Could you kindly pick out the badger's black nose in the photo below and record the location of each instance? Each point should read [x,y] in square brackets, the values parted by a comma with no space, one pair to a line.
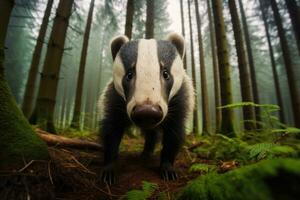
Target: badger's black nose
[146,115]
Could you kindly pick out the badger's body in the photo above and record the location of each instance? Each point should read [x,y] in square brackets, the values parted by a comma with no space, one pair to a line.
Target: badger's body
[150,89]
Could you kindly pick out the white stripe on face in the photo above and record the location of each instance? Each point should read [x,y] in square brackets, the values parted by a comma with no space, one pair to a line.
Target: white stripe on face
[177,73]
[118,74]
[148,81]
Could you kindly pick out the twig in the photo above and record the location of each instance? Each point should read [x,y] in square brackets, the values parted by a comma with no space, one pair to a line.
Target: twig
[49,172]
[26,166]
[87,170]
[109,192]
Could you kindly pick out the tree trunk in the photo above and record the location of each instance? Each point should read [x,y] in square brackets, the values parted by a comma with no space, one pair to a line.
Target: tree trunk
[246,89]
[204,93]
[294,11]
[45,105]
[273,64]
[129,18]
[195,117]
[18,142]
[227,125]
[150,19]
[288,64]
[250,62]
[80,81]
[215,68]
[34,67]
[183,30]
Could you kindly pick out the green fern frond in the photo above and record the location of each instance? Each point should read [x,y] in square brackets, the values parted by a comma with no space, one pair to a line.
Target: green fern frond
[146,192]
[260,150]
[288,130]
[200,167]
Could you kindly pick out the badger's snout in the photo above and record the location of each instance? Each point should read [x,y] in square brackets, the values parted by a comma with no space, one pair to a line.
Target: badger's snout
[146,115]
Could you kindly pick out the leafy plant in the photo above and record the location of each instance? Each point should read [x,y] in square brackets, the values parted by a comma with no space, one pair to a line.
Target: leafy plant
[146,192]
[200,167]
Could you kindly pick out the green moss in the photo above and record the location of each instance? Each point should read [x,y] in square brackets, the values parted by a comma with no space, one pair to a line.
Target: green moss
[269,179]
[18,142]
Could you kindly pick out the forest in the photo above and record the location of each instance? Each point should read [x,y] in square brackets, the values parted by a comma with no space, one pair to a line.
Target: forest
[242,140]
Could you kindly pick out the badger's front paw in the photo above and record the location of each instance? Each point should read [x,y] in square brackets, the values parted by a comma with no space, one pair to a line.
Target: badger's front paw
[168,172]
[109,174]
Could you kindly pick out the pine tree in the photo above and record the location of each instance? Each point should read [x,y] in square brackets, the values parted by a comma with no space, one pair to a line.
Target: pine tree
[44,110]
[294,90]
[250,62]
[246,89]
[195,115]
[204,93]
[182,29]
[81,73]
[215,68]
[273,65]
[150,19]
[129,18]
[227,125]
[294,12]
[34,67]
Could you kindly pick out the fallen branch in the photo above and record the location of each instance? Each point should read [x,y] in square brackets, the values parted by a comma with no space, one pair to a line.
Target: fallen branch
[60,141]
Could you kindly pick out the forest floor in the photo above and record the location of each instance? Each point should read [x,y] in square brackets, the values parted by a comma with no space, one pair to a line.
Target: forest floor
[81,173]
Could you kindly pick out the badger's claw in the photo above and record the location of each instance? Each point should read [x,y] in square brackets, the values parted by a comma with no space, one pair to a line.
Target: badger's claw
[168,173]
[108,175]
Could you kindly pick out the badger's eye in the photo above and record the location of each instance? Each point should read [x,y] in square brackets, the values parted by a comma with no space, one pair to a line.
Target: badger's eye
[129,76]
[166,74]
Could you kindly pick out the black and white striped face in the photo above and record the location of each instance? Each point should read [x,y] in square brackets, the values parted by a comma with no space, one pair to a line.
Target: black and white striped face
[147,74]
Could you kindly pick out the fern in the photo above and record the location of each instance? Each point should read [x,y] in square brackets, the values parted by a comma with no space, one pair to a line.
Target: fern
[200,167]
[288,130]
[260,150]
[146,192]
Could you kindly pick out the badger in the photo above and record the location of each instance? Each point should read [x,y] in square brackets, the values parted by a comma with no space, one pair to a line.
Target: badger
[151,90]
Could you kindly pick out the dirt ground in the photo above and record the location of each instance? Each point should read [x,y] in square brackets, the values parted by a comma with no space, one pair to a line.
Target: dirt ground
[75,174]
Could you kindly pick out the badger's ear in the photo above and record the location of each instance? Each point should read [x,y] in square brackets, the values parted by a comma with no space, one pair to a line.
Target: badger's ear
[116,44]
[178,41]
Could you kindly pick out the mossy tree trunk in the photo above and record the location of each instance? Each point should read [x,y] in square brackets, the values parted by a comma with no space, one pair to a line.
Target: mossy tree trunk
[250,62]
[44,110]
[195,115]
[129,18]
[273,64]
[245,79]
[294,90]
[294,12]
[150,19]
[227,124]
[18,142]
[182,30]
[34,67]
[205,107]
[215,68]
[81,73]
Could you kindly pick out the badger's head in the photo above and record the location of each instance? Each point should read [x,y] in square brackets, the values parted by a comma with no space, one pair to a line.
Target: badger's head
[147,74]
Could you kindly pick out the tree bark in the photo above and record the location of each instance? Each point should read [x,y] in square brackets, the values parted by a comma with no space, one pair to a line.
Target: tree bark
[6,7]
[294,12]
[44,110]
[288,64]
[246,89]
[205,106]
[18,142]
[34,67]
[250,62]
[273,65]
[227,125]
[183,31]
[215,68]
[81,73]
[195,115]
[129,18]
[150,19]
